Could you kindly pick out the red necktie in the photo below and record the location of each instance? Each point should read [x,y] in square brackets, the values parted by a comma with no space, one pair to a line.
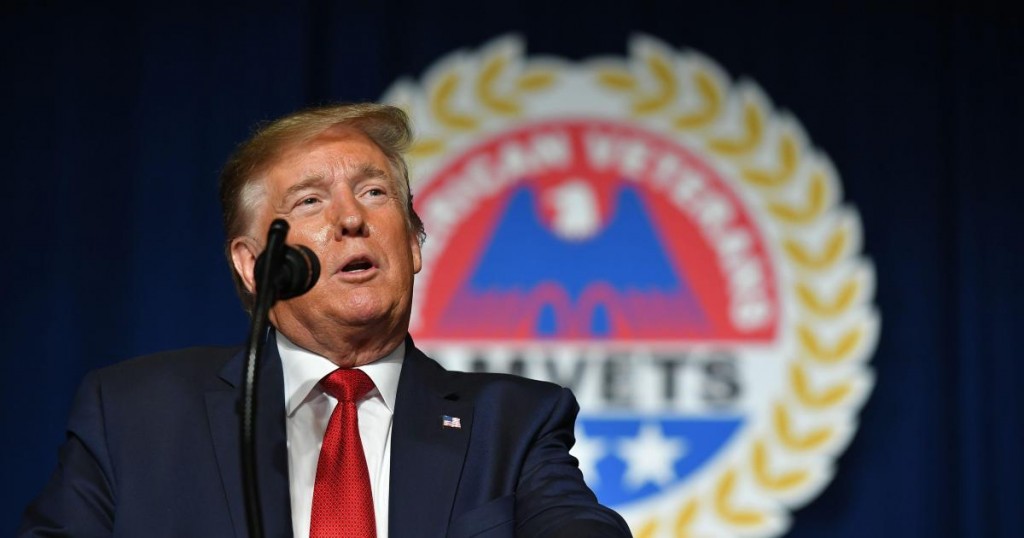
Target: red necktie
[342,502]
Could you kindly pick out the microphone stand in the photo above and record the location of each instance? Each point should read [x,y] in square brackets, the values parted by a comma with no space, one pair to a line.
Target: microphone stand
[265,296]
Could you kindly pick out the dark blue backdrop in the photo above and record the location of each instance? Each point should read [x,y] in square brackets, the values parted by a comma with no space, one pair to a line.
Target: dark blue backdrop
[116,119]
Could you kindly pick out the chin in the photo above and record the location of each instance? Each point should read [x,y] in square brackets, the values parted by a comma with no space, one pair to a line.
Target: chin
[357,312]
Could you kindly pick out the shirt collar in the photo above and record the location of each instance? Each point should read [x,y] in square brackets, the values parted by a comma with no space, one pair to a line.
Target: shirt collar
[303,369]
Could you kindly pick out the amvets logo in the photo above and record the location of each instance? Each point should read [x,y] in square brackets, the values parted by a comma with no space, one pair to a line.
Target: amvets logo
[666,244]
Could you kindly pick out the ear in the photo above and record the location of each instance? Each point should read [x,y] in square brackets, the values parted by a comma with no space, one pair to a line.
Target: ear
[414,248]
[244,251]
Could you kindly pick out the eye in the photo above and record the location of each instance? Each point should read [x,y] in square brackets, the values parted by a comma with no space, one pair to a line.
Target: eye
[374,192]
[309,200]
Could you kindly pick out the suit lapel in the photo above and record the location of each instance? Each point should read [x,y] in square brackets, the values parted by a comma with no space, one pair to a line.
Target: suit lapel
[426,456]
[222,407]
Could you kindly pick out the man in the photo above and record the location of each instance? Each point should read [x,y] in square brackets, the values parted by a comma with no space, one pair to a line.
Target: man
[152,447]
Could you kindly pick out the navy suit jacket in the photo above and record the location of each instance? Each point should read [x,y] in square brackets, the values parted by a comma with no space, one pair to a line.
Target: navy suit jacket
[153,450]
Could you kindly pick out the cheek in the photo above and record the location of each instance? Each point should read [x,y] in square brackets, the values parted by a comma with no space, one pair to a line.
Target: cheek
[317,238]
[321,235]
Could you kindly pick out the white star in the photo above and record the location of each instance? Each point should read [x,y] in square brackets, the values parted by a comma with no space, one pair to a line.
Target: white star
[650,457]
[589,450]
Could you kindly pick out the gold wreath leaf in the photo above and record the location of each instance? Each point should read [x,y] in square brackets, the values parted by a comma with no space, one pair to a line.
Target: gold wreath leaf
[789,156]
[426,147]
[712,104]
[812,208]
[820,261]
[667,87]
[647,529]
[753,132]
[535,80]
[817,399]
[793,441]
[842,348]
[733,516]
[439,99]
[840,302]
[686,517]
[617,79]
[776,482]
[485,88]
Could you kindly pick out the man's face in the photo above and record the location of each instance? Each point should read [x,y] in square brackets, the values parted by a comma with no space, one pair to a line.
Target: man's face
[338,195]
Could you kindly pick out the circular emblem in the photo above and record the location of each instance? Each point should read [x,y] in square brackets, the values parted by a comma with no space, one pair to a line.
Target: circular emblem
[666,244]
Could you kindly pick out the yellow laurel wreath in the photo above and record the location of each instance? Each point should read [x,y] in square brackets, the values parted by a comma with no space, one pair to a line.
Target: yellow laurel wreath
[654,84]
[748,138]
[486,85]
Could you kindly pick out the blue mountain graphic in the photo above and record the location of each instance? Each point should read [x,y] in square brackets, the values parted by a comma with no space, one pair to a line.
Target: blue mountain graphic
[626,256]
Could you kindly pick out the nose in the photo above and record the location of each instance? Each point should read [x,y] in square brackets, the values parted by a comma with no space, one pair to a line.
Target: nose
[349,216]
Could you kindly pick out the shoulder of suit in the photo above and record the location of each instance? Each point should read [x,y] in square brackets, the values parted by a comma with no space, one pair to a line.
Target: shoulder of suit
[168,368]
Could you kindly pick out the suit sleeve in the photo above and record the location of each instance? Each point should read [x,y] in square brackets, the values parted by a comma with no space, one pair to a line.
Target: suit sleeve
[78,500]
[552,499]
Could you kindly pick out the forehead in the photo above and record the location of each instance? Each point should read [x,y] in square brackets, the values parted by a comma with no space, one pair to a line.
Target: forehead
[338,153]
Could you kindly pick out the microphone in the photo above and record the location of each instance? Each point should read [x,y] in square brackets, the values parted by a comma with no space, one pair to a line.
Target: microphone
[294,270]
[282,272]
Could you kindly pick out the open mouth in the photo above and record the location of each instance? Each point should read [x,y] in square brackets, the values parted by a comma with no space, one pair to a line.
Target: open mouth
[357,265]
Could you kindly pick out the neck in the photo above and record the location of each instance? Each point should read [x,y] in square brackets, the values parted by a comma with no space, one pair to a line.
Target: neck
[346,346]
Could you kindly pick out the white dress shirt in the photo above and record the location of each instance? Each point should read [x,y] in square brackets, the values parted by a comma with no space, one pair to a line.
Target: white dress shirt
[308,412]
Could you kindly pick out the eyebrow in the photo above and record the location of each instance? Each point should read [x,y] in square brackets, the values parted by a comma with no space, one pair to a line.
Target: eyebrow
[369,171]
[365,171]
[317,180]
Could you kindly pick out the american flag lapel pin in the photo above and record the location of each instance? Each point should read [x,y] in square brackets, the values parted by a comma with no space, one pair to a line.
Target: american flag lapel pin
[449,421]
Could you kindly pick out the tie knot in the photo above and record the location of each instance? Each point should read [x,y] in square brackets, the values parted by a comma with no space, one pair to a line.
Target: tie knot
[347,384]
